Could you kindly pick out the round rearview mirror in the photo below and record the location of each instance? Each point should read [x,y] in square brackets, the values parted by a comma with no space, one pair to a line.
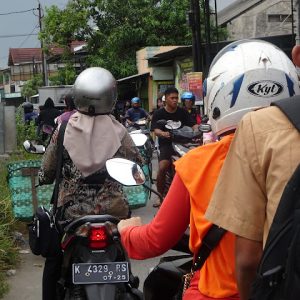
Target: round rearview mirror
[33,147]
[125,171]
[139,139]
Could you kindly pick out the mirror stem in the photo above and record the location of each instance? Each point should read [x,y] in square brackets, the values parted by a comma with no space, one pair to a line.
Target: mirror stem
[153,191]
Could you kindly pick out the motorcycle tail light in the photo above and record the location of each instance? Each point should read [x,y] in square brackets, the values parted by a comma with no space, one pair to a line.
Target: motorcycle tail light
[98,237]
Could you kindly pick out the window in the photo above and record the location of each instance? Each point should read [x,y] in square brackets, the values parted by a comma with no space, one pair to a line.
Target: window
[278,18]
[12,88]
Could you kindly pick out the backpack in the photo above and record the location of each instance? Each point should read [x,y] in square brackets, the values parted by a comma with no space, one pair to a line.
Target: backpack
[278,275]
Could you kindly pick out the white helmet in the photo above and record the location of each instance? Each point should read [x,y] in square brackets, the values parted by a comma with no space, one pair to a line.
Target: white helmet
[245,75]
[95,91]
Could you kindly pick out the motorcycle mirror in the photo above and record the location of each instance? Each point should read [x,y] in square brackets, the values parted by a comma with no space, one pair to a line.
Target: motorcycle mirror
[139,139]
[125,171]
[205,127]
[33,147]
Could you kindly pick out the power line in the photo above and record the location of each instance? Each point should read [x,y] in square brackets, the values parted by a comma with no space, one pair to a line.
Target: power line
[35,27]
[17,12]
[16,35]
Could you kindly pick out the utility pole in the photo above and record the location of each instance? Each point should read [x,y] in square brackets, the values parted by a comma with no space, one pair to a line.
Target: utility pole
[44,63]
[194,23]
[207,35]
[298,23]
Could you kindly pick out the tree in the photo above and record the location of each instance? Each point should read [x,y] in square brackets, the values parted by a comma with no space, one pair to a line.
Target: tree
[31,86]
[115,30]
[65,76]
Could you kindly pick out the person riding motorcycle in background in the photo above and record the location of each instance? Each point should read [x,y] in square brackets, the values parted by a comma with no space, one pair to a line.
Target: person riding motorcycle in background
[135,113]
[29,113]
[173,114]
[235,86]
[91,137]
[69,110]
[188,101]
[46,119]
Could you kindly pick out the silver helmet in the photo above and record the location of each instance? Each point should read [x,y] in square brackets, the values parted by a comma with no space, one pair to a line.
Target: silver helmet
[95,91]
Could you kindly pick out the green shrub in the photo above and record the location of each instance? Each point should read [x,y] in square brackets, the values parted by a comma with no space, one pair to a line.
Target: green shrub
[8,251]
[24,131]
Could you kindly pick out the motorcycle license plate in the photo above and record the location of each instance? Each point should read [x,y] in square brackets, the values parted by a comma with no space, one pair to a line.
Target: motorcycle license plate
[89,273]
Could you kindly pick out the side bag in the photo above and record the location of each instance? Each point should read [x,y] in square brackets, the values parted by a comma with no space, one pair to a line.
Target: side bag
[44,238]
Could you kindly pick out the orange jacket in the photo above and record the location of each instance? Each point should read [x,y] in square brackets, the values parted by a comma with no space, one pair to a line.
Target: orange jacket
[199,170]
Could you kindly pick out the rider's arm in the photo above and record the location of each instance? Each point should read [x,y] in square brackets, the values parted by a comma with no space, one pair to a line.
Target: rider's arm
[146,114]
[47,171]
[127,115]
[248,255]
[166,228]
[161,134]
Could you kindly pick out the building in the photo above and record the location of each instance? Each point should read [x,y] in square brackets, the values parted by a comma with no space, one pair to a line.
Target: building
[23,64]
[144,83]
[258,18]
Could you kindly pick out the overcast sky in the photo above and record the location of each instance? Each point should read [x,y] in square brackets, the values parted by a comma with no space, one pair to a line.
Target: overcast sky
[26,23]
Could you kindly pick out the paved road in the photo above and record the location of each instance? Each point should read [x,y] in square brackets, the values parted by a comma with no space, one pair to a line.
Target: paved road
[26,284]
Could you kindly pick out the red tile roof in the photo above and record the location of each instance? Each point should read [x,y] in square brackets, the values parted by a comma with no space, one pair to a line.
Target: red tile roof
[58,51]
[26,55]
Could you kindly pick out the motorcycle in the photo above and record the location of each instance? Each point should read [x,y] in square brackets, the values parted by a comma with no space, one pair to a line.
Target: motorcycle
[140,134]
[138,196]
[146,150]
[131,174]
[183,140]
[95,265]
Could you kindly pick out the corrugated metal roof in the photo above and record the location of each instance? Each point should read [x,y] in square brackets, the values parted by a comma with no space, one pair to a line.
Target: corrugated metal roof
[133,77]
[236,9]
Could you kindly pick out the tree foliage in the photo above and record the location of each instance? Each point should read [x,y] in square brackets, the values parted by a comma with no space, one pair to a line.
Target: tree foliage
[31,86]
[65,76]
[114,30]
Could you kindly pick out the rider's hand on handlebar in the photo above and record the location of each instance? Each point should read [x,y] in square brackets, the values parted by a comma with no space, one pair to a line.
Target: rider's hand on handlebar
[135,221]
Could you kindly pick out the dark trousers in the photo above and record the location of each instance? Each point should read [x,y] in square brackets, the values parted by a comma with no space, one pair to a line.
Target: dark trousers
[51,275]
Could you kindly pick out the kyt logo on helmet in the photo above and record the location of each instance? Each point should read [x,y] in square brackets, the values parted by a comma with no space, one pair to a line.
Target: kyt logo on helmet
[265,88]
